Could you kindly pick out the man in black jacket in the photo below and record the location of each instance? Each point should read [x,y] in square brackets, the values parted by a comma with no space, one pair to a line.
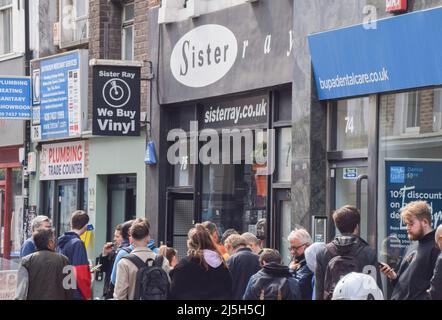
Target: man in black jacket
[349,246]
[412,279]
[243,264]
[435,292]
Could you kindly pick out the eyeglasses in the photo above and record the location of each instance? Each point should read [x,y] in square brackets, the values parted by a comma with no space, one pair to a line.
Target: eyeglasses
[298,247]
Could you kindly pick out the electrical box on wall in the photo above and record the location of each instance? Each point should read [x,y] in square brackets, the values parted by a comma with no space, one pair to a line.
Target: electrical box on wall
[396,6]
[32,162]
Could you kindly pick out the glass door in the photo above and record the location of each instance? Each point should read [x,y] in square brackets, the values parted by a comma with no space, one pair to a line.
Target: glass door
[350,187]
[67,204]
[285,222]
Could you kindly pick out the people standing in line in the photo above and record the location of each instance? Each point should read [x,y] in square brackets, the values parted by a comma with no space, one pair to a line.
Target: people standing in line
[310,257]
[38,222]
[41,274]
[74,249]
[213,230]
[435,291]
[253,242]
[300,240]
[107,259]
[123,250]
[243,264]
[128,267]
[412,278]
[202,274]
[346,253]
[170,254]
[273,281]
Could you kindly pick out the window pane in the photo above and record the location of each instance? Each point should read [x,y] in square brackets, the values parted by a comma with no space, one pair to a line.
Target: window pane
[285,155]
[128,43]
[352,121]
[129,13]
[82,8]
[5,31]
[5,3]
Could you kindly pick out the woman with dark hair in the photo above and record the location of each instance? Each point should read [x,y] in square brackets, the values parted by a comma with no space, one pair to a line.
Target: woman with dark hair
[203,274]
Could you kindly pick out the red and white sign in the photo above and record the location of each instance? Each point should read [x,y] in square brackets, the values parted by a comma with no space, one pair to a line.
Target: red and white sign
[396,5]
[64,161]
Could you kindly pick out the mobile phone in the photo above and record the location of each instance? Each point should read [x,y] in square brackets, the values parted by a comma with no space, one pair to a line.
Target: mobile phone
[98,266]
[381,264]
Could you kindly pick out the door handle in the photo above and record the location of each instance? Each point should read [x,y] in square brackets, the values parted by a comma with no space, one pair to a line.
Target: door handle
[359,190]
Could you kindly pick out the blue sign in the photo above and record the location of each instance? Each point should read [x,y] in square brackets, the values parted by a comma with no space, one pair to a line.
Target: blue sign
[408,181]
[15,98]
[56,96]
[400,53]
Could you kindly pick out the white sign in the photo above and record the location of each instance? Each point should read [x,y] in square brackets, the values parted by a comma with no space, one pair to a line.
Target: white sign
[64,161]
[204,55]
[8,284]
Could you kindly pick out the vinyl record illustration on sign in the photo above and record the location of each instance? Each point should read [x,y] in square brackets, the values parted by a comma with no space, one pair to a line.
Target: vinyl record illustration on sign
[116,101]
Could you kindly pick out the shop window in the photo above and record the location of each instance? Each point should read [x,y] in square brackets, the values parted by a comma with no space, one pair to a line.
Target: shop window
[352,124]
[284,108]
[235,195]
[128,32]
[74,22]
[410,165]
[284,167]
[5,26]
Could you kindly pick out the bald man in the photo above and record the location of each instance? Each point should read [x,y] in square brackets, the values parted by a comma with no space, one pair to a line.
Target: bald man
[435,291]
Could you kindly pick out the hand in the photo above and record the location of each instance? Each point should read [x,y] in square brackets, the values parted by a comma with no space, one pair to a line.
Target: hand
[388,271]
[294,265]
[107,248]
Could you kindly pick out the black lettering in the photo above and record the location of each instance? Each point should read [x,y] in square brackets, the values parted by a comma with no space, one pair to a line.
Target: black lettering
[208,55]
[186,63]
[217,55]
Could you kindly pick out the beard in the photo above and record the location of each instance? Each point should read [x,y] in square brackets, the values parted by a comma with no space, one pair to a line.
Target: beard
[419,234]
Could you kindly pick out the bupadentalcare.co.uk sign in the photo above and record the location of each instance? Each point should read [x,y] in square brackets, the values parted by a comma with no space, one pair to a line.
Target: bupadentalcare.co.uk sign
[64,161]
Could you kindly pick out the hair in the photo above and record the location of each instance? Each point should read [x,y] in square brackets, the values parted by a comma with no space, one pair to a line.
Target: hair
[261,229]
[210,226]
[125,229]
[119,228]
[167,252]
[79,220]
[417,209]
[42,237]
[347,219]
[199,240]
[227,234]
[139,229]
[38,221]
[302,235]
[250,238]
[238,241]
[269,256]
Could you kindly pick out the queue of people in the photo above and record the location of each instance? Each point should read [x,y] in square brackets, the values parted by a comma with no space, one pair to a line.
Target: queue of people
[231,266]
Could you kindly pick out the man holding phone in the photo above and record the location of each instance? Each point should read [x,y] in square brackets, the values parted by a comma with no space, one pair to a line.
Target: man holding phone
[412,279]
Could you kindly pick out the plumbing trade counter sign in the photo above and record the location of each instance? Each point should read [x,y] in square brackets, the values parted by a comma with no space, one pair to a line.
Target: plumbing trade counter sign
[15,98]
[408,181]
[116,100]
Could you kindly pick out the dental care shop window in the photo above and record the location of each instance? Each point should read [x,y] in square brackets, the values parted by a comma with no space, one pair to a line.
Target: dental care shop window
[410,163]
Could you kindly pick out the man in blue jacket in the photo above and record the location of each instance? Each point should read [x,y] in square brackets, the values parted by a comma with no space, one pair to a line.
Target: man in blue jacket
[74,249]
[38,222]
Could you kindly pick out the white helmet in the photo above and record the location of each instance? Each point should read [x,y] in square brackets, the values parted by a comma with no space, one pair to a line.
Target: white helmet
[357,286]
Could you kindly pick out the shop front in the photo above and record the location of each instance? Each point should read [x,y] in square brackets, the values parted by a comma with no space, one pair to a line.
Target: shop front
[383,96]
[225,129]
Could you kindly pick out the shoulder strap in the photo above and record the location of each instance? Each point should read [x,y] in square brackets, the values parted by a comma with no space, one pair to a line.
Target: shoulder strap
[159,260]
[135,260]
[127,249]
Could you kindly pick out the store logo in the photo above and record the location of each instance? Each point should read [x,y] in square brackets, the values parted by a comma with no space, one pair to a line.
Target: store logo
[204,55]
[397,175]
[116,93]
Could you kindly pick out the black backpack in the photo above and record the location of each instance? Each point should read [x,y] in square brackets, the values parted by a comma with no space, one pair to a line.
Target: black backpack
[275,289]
[152,281]
[339,266]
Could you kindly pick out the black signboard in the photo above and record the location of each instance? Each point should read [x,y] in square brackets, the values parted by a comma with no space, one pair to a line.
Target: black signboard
[236,112]
[116,100]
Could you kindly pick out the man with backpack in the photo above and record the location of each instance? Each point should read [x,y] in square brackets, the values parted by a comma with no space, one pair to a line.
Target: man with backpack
[142,275]
[347,253]
[273,281]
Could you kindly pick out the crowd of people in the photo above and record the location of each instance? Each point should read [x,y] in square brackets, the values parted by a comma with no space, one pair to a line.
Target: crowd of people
[231,266]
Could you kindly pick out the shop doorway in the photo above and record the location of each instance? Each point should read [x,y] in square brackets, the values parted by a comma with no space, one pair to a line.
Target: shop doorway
[349,186]
[180,219]
[285,222]
[122,201]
